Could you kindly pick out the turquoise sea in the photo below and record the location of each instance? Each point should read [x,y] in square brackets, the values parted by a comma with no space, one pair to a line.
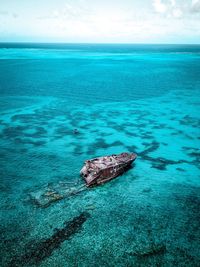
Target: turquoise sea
[136,98]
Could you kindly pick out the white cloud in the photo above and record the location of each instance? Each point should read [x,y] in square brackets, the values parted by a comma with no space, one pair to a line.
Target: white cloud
[173,3]
[168,8]
[177,13]
[195,6]
[106,21]
[159,6]
[114,24]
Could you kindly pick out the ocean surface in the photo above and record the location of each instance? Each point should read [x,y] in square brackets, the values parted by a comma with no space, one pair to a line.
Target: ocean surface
[135,98]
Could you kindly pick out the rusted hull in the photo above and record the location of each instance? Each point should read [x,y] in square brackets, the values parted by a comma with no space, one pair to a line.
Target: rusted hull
[100,170]
[103,180]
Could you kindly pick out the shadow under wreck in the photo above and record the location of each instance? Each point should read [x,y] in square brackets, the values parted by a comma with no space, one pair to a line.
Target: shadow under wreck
[42,250]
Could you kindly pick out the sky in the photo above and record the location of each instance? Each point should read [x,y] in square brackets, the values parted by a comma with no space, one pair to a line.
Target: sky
[100,21]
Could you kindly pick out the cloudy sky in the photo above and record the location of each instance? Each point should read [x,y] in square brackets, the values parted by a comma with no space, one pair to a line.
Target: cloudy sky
[113,21]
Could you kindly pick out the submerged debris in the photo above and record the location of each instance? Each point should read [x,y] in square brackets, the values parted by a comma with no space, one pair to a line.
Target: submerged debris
[99,170]
[48,194]
[38,252]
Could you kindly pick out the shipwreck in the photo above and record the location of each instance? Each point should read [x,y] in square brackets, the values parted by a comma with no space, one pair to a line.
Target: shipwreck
[100,170]
[95,172]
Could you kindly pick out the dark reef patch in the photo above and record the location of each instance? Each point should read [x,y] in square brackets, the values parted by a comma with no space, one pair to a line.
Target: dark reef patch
[102,133]
[151,251]
[164,144]
[23,117]
[115,126]
[18,133]
[159,165]
[117,143]
[63,131]
[180,169]
[190,121]
[187,148]
[39,133]
[159,162]
[131,148]
[189,137]
[195,155]
[147,136]
[101,144]
[132,134]
[78,150]
[146,190]
[152,147]
[12,132]
[162,163]
[160,126]
[43,249]
[145,144]
[26,141]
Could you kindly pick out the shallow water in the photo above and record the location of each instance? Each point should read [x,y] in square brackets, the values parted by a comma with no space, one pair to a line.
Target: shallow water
[142,99]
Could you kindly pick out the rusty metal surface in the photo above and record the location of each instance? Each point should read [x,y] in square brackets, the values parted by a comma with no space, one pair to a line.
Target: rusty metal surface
[102,169]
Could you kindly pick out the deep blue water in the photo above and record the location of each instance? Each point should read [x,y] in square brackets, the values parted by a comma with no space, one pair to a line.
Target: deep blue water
[137,98]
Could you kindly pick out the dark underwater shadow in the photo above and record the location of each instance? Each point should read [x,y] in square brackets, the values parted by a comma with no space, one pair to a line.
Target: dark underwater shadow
[39,251]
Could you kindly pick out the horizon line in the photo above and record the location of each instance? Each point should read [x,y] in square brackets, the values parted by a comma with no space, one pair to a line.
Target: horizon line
[93,43]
